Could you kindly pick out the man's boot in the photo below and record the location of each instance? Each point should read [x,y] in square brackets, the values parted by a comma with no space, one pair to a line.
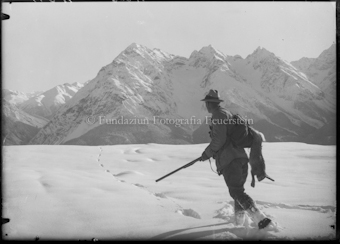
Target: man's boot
[256,214]
[240,214]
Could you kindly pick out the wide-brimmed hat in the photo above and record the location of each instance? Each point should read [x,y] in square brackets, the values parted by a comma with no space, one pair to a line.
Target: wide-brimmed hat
[212,96]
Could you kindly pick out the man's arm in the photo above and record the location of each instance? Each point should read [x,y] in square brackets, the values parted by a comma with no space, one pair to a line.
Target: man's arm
[218,137]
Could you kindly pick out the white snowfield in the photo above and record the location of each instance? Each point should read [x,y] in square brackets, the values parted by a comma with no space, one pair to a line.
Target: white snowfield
[110,193]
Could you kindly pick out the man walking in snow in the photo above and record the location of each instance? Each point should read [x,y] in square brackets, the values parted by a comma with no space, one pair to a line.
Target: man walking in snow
[231,162]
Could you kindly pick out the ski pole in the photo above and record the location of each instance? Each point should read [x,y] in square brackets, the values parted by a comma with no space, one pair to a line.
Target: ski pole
[184,166]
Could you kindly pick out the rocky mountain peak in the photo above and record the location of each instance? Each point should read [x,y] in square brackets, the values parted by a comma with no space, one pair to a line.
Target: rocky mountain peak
[327,56]
[261,53]
[208,57]
[208,50]
[133,46]
[137,54]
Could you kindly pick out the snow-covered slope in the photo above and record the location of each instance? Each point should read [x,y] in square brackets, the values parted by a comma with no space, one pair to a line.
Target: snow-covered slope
[292,101]
[303,63]
[18,126]
[132,86]
[17,97]
[154,86]
[321,71]
[109,193]
[47,103]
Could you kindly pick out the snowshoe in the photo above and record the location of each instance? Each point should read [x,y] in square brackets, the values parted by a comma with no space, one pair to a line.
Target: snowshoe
[240,217]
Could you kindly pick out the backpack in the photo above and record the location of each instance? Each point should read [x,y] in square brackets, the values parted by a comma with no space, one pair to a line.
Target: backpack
[244,136]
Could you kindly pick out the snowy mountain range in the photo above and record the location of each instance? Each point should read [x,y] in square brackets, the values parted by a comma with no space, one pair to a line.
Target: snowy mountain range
[156,97]
[25,113]
[17,97]
[321,71]
[47,103]
[19,127]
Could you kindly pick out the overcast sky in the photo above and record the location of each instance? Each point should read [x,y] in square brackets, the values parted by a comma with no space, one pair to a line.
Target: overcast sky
[47,44]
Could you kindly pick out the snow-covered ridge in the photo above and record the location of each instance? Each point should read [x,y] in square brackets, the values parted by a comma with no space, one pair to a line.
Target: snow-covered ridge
[15,114]
[45,104]
[321,72]
[25,113]
[18,126]
[17,97]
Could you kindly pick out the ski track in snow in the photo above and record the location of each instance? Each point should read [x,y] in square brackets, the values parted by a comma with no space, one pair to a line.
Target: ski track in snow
[185,212]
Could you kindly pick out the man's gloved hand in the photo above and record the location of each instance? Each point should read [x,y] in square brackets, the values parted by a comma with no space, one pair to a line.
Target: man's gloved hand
[204,156]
